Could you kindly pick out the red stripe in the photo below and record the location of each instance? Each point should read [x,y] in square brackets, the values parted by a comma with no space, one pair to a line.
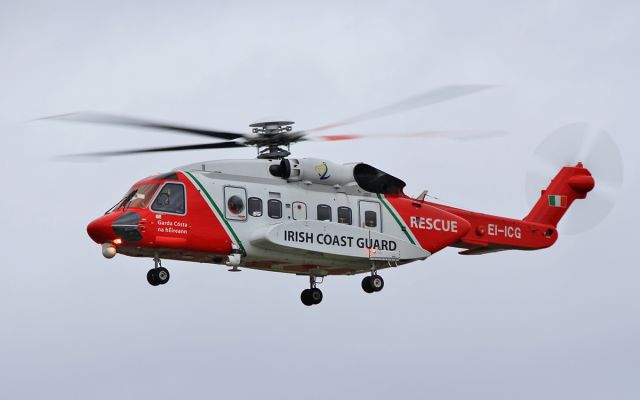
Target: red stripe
[340,137]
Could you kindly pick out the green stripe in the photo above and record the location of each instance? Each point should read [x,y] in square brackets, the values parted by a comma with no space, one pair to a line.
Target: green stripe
[403,227]
[215,206]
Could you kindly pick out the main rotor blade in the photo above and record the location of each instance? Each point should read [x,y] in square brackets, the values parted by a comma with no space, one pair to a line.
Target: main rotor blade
[434,96]
[108,119]
[221,145]
[453,134]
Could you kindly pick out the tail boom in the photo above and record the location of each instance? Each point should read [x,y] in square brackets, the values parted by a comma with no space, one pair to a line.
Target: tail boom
[490,233]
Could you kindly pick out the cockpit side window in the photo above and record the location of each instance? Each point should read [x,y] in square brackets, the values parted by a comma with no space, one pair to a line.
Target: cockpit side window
[170,199]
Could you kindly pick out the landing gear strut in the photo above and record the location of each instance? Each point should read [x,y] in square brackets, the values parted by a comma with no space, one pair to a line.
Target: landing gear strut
[158,275]
[313,295]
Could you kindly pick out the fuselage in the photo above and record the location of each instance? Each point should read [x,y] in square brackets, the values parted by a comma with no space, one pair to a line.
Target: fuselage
[310,216]
[319,220]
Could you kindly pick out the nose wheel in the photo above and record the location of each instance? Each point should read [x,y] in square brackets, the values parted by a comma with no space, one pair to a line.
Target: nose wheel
[158,275]
[313,295]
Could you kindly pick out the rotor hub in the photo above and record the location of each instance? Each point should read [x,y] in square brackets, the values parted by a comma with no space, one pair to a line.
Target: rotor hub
[271,127]
[270,135]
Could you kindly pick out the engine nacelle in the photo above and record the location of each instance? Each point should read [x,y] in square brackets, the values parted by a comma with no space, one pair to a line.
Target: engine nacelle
[314,170]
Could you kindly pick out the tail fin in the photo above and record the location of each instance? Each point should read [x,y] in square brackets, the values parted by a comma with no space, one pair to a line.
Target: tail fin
[569,184]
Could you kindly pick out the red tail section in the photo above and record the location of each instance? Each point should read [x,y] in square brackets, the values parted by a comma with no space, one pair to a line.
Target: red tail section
[569,184]
[491,233]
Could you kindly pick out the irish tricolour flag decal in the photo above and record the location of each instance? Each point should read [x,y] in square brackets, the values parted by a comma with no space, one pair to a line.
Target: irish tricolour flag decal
[557,201]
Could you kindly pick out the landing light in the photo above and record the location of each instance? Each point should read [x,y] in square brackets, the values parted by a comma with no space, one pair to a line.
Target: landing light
[117,241]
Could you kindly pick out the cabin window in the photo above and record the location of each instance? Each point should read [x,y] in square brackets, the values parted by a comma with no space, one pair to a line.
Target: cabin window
[370,219]
[255,206]
[344,215]
[274,208]
[324,212]
[170,199]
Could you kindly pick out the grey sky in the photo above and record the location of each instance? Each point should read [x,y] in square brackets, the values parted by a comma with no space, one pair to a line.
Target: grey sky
[559,324]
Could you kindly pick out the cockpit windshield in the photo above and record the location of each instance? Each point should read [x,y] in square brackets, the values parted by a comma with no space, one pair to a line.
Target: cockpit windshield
[138,197]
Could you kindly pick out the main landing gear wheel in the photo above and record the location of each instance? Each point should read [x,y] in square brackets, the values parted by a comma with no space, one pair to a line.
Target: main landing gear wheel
[373,283]
[158,275]
[312,295]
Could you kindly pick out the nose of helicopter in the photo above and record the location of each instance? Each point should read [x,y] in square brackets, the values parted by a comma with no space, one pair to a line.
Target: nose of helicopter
[110,227]
[100,230]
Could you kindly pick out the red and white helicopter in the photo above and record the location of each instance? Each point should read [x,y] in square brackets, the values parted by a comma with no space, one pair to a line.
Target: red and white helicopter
[307,216]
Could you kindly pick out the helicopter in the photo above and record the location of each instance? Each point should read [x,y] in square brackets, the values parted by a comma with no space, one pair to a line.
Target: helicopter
[308,216]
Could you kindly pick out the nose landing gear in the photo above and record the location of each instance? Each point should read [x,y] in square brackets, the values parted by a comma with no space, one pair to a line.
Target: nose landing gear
[313,295]
[158,275]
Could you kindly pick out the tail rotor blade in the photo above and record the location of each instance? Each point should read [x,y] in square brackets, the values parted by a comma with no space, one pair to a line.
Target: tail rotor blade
[604,159]
[597,206]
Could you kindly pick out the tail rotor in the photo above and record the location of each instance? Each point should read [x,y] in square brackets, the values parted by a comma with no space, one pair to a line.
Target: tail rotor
[598,151]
